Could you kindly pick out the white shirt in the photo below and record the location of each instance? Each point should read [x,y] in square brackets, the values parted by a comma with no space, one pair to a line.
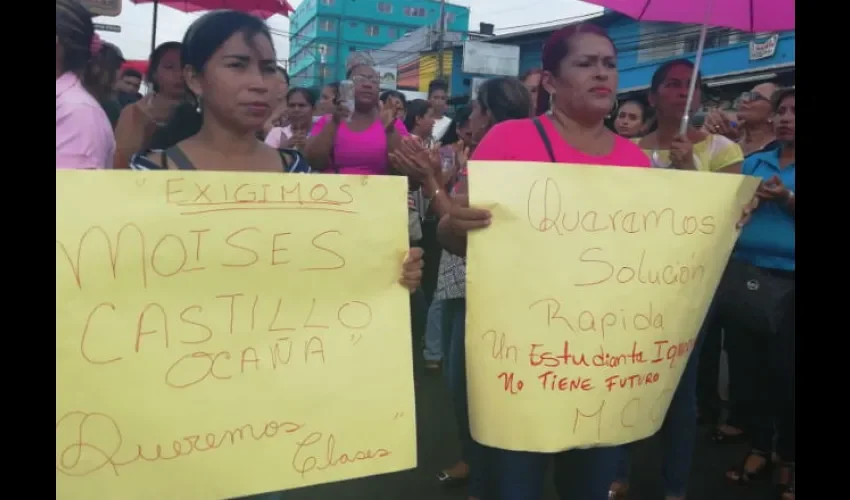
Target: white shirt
[441,126]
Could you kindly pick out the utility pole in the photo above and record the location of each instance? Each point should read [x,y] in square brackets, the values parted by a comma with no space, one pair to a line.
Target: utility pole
[441,38]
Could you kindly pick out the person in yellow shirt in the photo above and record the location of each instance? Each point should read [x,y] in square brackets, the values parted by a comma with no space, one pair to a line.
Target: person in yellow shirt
[697,149]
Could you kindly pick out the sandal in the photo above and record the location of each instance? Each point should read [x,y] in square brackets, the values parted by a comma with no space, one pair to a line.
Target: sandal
[742,475]
[718,436]
[618,491]
[787,490]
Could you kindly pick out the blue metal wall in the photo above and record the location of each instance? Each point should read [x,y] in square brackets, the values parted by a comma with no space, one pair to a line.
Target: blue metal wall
[627,33]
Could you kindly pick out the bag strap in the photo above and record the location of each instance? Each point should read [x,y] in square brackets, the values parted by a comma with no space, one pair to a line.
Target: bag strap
[545,138]
[179,158]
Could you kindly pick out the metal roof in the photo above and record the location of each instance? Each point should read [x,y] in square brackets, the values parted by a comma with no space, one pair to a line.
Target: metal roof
[550,28]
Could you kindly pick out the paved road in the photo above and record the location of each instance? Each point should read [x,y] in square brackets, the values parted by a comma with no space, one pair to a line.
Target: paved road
[438,448]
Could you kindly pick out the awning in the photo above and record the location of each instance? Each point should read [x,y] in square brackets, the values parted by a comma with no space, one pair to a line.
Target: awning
[733,77]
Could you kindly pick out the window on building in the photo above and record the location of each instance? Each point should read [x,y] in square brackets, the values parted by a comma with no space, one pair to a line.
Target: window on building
[385,7]
[658,41]
[393,32]
[373,30]
[450,17]
[414,11]
[327,25]
[327,2]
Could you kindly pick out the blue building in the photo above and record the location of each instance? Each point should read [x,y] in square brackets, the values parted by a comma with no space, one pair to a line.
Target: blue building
[732,61]
[324,32]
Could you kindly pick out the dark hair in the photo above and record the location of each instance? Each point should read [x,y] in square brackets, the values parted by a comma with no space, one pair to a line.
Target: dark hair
[75,32]
[661,73]
[103,70]
[460,119]
[282,71]
[416,108]
[393,93]
[779,96]
[644,109]
[155,60]
[436,85]
[132,73]
[505,98]
[335,87]
[203,38]
[307,93]
[556,48]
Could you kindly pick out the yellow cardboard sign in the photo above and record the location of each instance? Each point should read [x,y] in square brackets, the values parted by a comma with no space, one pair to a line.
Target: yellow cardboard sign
[225,334]
[585,296]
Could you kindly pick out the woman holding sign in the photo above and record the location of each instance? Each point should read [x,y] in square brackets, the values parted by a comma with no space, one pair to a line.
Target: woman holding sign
[229,63]
[580,82]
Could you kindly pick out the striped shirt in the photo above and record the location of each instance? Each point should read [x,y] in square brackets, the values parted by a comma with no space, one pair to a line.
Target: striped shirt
[175,155]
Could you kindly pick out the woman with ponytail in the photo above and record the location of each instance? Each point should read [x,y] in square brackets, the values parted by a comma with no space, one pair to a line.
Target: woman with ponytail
[83,133]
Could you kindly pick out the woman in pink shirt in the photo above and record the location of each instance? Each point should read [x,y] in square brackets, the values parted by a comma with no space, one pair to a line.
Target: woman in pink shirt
[359,142]
[580,75]
[83,133]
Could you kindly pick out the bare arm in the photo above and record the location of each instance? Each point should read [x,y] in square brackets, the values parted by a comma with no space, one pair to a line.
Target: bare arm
[132,135]
[319,147]
[734,168]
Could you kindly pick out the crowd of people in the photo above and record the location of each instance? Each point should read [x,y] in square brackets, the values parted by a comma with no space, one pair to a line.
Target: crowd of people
[218,101]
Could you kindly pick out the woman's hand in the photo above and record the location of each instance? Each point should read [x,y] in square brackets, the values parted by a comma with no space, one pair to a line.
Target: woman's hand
[411,269]
[411,159]
[463,219]
[773,189]
[340,113]
[297,141]
[747,213]
[717,122]
[682,153]
[387,114]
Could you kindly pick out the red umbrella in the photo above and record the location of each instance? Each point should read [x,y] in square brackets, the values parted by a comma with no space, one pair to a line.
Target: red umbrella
[262,8]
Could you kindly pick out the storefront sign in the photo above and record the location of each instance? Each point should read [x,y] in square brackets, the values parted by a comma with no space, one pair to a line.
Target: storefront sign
[764,48]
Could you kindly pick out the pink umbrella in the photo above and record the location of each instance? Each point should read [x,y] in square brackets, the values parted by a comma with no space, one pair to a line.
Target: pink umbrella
[745,15]
[262,8]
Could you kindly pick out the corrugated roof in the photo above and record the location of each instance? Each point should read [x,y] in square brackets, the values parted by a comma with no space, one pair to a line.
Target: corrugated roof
[548,29]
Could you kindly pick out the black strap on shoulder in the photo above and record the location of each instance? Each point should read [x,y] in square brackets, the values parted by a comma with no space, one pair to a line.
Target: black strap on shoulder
[545,138]
[179,158]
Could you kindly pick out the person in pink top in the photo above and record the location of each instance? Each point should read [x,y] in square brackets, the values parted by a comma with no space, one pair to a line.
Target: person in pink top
[356,141]
[579,84]
[84,136]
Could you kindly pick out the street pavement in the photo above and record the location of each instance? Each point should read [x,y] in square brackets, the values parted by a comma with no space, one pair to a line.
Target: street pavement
[438,448]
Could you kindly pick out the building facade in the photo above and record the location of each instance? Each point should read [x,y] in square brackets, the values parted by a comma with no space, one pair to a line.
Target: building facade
[323,33]
[732,61]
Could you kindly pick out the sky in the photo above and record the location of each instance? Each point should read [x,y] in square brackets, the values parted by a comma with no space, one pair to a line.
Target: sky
[507,15]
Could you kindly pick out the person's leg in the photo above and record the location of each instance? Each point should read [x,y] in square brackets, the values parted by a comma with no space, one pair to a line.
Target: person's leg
[512,475]
[454,366]
[785,375]
[708,372]
[678,432]
[585,474]
[750,354]
[620,486]
[433,352]
[732,430]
